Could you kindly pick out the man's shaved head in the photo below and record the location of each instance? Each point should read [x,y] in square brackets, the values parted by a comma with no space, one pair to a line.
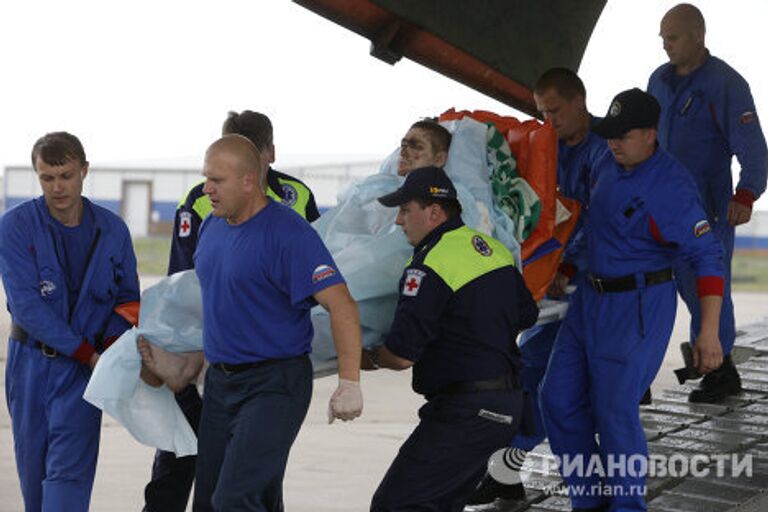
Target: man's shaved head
[683,32]
[239,150]
[687,14]
[234,171]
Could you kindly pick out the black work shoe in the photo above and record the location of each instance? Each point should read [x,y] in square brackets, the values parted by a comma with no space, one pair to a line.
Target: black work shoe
[718,385]
[647,397]
[489,490]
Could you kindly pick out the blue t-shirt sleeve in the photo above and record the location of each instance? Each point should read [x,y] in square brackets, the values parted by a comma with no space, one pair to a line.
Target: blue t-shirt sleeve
[306,267]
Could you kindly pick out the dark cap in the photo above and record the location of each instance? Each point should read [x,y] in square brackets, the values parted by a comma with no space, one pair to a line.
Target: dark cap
[424,183]
[629,110]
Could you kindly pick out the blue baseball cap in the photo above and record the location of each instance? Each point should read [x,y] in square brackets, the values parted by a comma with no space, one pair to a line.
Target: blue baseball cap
[425,183]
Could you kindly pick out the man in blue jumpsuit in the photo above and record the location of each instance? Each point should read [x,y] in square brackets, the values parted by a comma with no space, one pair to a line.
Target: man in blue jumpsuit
[66,264]
[707,117]
[561,98]
[462,304]
[261,268]
[645,213]
[172,477]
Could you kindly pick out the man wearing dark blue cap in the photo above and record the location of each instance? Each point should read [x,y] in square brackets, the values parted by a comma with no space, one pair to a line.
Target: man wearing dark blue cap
[462,303]
[645,213]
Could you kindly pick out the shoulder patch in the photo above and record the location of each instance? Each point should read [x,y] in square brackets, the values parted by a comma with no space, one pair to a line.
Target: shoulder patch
[748,117]
[481,246]
[185,224]
[290,196]
[322,272]
[701,227]
[412,283]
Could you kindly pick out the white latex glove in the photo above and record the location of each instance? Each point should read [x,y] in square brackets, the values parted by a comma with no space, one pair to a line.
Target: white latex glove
[346,402]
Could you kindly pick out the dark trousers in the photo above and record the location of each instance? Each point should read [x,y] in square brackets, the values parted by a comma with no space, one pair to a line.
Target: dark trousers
[172,476]
[250,420]
[441,462]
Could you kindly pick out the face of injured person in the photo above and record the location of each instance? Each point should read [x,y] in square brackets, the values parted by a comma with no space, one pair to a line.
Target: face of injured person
[417,151]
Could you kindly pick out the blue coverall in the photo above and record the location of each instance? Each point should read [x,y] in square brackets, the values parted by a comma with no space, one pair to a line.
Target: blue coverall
[574,164]
[56,432]
[611,344]
[706,118]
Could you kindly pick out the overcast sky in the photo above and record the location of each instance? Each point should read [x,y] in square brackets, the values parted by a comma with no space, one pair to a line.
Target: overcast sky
[151,80]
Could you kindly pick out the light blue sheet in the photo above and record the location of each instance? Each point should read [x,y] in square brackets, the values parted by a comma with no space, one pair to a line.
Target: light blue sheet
[371,252]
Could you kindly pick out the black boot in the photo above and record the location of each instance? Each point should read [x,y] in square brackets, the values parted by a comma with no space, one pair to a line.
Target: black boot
[604,508]
[718,385]
[489,490]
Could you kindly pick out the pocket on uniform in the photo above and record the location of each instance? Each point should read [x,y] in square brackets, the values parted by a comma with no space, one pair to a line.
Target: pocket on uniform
[629,214]
[105,281]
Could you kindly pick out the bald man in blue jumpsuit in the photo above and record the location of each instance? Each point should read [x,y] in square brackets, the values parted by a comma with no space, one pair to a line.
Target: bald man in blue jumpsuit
[707,117]
[645,213]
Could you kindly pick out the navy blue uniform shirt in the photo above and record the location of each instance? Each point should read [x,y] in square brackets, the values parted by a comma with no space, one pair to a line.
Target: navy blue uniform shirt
[463,335]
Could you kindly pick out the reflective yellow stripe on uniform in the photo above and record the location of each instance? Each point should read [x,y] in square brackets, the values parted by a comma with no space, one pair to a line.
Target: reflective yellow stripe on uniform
[296,196]
[202,206]
[464,254]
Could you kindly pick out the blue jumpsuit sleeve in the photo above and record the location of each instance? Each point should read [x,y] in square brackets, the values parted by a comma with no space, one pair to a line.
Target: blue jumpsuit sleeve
[575,253]
[737,118]
[21,281]
[417,317]
[183,247]
[679,218]
[128,291]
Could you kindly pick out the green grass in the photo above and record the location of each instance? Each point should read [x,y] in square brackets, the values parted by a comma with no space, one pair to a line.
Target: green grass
[152,254]
[750,271]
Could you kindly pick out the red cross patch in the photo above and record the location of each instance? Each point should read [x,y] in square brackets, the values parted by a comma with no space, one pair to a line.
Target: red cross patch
[185,224]
[412,283]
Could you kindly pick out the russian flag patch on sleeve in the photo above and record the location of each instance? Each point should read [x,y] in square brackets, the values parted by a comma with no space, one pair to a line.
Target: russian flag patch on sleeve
[702,227]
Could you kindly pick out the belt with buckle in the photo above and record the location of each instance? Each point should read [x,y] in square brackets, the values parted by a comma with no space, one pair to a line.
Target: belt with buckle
[19,334]
[628,283]
[507,382]
[229,369]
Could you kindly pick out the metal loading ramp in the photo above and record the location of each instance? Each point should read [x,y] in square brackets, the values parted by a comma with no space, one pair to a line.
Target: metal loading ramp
[715,435]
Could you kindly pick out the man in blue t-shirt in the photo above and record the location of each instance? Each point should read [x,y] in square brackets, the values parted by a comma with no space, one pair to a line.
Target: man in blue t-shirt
[261,268]
[172,477]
